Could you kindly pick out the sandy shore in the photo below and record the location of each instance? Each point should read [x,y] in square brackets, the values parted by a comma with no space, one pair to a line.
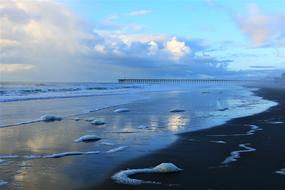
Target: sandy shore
[205,155]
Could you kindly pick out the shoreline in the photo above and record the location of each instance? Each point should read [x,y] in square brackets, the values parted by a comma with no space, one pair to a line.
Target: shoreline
[201,154]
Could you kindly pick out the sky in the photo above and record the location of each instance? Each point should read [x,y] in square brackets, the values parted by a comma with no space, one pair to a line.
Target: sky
[103,40]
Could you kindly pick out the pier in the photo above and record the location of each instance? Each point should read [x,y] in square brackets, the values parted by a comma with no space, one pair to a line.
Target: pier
[182,81]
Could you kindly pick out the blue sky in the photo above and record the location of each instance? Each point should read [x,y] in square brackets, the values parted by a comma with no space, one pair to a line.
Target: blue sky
[92,40]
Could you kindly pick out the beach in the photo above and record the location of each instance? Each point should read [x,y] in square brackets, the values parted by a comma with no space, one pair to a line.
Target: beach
[201,155]
[137,130]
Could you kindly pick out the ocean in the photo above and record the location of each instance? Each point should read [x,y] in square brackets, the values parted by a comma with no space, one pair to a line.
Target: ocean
[36,154]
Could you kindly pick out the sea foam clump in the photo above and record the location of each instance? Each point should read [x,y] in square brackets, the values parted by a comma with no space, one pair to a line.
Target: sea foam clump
[97,122]
[123,176]
[236,154]
[281,171]
[121,110]
[49,118]
[87,138]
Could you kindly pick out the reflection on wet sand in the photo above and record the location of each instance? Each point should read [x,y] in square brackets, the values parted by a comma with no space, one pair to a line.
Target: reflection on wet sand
[177,122]
[81,170]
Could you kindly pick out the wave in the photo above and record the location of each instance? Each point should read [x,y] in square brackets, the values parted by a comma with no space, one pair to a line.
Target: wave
[19,92]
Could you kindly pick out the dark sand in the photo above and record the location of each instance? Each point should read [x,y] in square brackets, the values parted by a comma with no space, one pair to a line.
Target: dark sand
[201,158]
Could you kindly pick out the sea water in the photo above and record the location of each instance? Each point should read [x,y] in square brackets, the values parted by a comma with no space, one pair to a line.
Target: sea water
[56,161]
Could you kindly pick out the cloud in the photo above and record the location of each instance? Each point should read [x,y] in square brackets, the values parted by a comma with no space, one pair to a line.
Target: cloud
[44,40]
[12,68]
[262,29]
[141,12]
[177,49]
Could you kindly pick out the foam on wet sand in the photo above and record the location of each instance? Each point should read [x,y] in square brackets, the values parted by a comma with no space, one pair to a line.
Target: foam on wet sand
[97,122]
[252,131]
[235,155]
[87,138]
[281,171]
[121,110]
[60,155]
[123,176]
[50,118]
[117,149]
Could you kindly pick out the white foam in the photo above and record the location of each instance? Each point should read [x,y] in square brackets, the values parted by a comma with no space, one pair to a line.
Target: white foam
[120,148]
[142,127]
[281,171]
[218,142]
[107,143]
[252,131]
[8,156]
[49,118]
[97,122]
[236,154]
[120,110]
[276,122]
[125,130]
[87,138]
[2,183]
[76,119]
[1,161]
[60,155]
[123,176]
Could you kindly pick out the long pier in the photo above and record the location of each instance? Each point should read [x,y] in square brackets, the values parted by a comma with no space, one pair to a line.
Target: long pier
[181,81]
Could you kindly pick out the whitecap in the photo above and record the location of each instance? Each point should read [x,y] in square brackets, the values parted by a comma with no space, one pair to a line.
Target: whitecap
[281,171]
[87,138]
[120,110]
[117,149]
[49,118]
[123,176]
[236,154]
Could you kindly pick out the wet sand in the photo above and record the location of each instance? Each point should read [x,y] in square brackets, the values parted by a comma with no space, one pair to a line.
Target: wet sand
[258,140]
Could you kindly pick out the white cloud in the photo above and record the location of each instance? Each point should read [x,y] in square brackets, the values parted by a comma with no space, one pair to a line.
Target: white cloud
[142,12]
[100,48]
[261,28]
[177,49]
[153,48]
[12,68]
[49,42]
